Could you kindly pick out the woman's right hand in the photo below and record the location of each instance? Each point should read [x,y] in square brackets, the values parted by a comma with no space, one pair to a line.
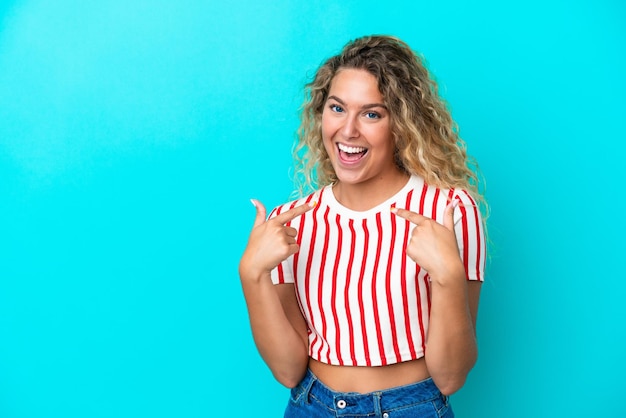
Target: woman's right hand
[270,242]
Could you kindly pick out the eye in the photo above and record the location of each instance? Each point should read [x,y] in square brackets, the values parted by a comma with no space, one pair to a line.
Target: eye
[336,108]
[372,115]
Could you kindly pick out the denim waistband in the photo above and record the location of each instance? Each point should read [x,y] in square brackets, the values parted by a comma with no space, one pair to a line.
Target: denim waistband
[345,403]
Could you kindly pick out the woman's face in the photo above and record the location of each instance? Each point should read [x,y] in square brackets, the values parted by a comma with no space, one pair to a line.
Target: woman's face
[356,129]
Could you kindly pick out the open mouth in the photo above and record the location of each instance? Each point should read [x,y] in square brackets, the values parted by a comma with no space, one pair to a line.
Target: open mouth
[351,154]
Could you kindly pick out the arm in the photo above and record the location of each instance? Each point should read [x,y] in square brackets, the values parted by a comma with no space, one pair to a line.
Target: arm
[278,328]
[451,349]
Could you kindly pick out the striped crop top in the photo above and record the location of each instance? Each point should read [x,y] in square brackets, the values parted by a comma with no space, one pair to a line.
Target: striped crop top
[365,302]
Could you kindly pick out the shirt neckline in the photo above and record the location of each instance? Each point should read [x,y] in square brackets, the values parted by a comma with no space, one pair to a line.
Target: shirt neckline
[413,182]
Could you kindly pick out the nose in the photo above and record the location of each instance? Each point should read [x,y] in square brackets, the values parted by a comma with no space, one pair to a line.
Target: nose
[349,128]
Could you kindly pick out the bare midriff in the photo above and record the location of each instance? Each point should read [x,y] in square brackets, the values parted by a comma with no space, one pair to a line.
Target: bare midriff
[364,379]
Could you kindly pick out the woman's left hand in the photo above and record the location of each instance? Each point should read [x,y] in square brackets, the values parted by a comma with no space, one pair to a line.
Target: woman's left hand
[433,246]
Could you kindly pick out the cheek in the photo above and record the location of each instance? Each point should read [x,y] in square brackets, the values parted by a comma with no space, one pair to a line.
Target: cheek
[328,145]
[384,137]
[327,129]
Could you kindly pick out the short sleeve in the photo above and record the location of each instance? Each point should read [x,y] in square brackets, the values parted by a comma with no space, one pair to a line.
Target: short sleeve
[470,235]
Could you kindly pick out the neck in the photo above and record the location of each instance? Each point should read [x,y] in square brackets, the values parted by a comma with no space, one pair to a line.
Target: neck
[364,196]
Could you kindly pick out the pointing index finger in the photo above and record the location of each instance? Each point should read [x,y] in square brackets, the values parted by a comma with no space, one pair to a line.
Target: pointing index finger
[285,217]
[412,217]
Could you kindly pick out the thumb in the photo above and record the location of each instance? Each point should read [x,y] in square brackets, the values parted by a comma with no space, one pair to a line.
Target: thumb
[261,212]
[448,215]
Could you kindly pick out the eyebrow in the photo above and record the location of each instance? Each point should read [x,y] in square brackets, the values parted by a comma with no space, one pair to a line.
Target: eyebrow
[367,106]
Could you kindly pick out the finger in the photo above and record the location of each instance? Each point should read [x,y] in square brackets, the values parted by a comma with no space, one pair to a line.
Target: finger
[261,212]
[285,217]
[291,232]
[412,217]
[293,248]
[448,215]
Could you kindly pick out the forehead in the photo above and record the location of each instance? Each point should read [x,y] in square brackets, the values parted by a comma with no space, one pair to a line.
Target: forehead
[355,84]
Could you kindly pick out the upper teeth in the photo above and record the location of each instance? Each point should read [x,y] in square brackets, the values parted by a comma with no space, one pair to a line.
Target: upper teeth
[350,150]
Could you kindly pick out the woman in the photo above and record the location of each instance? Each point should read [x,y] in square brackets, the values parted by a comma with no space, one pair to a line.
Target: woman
[363,295]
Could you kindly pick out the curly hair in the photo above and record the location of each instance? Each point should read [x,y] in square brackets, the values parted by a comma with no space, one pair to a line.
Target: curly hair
[426,137]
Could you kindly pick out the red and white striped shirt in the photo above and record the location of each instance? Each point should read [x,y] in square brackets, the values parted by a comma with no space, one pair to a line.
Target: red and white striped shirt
[366,303]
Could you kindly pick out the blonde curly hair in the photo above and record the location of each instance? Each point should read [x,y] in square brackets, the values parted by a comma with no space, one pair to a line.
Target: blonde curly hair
[427,139]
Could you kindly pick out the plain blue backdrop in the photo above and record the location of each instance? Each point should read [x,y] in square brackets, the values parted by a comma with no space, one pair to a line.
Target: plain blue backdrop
[134,133]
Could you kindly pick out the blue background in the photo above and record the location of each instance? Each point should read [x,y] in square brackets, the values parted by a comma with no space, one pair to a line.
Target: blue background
[134,133]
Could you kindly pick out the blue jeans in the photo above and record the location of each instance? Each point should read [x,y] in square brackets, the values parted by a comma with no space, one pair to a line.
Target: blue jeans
[312,399]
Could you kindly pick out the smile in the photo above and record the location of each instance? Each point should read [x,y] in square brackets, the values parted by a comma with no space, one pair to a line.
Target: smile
[350,154]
